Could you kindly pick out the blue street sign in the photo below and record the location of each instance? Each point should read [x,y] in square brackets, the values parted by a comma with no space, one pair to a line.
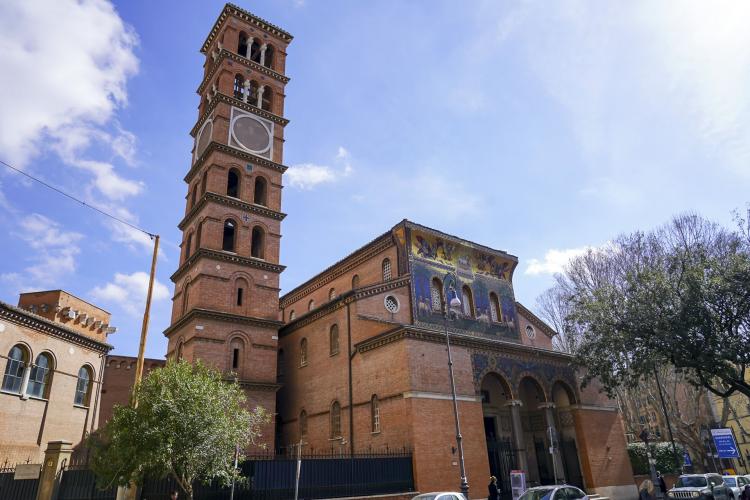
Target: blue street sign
[687,461]
[726,446]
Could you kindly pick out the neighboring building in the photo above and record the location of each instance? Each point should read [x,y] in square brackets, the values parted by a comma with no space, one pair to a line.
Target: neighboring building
[118,380]
[52,347]
[736,410]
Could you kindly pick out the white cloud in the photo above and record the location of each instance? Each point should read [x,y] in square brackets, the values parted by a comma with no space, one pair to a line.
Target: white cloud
[554,260]
[54,253]
[311,175]
[128,291]
[69,61]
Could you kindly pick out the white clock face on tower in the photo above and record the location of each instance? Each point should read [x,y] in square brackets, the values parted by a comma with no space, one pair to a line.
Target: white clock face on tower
[251,133]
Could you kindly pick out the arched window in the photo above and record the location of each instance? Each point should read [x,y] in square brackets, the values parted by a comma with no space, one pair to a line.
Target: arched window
[259,193]
[467,302]
[242,47]
[375,414]
[495,314]
[355,281]
[335,420]
[83,387]
[257,243]
[302,424]
[386,269]
[198,235]
[192,196]
[227,242]
[436,295]
[241,288]
[334,339]
[240,293]
[204,182]
[292,315]
[331,294]
[18,359]
[266,99]
[233,183]
[311,305]
[40,376]
[236,348]
[238,81]
[188,244]
[303,352]
[255,51]
[180,345]
[268,60]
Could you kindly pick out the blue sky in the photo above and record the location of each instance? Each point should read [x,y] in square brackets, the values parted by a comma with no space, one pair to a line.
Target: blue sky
[538,128]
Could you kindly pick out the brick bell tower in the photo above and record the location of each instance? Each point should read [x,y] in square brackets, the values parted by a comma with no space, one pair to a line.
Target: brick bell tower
[225,308]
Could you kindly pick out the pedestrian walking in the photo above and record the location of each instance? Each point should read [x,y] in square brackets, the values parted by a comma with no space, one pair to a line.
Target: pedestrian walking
[492,487]
[646,491]
[174,494]
[662,484]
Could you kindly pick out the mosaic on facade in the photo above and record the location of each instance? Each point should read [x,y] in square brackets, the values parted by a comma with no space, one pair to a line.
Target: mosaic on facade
[488,278]
[514,370]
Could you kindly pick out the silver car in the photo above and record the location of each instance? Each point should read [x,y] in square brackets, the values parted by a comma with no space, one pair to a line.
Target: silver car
[554,492]
[736,484]
[440,495]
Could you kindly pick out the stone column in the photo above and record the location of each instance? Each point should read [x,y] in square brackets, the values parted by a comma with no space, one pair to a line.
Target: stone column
[260,96]
[517,430]
[249,47]
[549,414]
[246,94]
[56,454]
[263,54]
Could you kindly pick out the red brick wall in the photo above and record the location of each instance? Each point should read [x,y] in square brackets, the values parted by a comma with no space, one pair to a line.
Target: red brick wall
[602,448]
[117,384]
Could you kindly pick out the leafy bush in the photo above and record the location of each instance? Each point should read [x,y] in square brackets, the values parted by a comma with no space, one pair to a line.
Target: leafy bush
[662,452]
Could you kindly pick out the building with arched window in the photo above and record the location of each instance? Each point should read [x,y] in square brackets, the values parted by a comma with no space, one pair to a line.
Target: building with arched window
[52,352]
[512,386]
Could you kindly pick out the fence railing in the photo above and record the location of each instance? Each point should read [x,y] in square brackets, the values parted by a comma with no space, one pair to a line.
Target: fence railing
[17,489]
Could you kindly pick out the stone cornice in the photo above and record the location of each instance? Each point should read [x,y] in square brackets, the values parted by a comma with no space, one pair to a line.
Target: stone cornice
[228,201]
[223,148]
[535,320]
[458,339]
[227,54]
[339,268]
[237,103]
[30,320]
[254,384]
[226,257]
[240,13]
[220,316]
[341,301]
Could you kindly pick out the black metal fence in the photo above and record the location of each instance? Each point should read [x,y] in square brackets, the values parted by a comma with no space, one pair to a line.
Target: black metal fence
[78,482]
[322,475]
[17,489]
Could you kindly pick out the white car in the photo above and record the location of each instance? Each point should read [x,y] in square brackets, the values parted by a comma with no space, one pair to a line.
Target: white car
[441,495]
[554,492]
[736,484]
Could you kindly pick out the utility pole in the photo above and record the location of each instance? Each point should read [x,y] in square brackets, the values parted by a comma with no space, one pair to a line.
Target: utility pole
[144,327]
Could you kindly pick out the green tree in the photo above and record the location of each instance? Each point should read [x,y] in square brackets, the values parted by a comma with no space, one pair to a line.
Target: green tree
[678,295]
[187,424]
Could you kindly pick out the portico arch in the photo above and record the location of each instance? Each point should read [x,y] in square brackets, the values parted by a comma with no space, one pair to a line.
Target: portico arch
[499,427]
[533,421]
[563,397]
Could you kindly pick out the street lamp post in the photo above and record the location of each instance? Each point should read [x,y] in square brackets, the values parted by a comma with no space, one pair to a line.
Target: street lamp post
[449,308]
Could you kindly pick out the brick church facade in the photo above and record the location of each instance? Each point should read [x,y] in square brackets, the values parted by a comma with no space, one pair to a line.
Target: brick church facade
[354,359]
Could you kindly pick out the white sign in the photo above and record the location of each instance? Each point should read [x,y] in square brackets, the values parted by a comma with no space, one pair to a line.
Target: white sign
[27,471]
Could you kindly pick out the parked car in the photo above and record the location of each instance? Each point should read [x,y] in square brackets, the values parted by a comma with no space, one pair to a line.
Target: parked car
[441,495]
[554,492]
[702,486]
[736,484]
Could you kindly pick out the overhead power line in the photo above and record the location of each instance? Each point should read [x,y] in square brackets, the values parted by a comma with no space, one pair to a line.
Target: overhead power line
[59,191]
